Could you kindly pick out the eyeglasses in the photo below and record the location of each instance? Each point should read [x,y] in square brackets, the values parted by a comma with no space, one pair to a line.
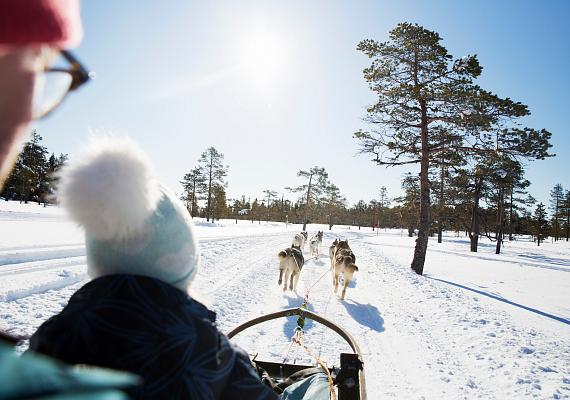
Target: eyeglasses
[54,84]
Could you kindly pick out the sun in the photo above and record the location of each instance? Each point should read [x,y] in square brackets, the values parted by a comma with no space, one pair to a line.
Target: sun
[263,55]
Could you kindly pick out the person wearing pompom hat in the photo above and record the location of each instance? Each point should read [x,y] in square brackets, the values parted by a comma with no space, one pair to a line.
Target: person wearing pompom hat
[136,315]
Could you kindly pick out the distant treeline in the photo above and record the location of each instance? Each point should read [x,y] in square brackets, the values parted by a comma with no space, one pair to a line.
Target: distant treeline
[480,204]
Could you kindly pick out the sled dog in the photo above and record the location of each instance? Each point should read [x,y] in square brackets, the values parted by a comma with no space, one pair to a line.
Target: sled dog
[299,240]
[291,262]
[342,262]
[331,250]
[315,243]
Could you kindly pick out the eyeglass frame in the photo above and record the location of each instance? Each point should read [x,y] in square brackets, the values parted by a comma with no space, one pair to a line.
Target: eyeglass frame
[79,76]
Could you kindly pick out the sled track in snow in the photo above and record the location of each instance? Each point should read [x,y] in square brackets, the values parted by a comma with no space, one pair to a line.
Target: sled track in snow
[44,265]
[250,254]
[23,255]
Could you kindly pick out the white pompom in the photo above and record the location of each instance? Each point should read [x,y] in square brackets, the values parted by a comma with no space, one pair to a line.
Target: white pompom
[110,189]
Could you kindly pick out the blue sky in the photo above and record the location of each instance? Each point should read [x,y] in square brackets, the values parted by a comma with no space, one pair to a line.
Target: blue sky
[277,86]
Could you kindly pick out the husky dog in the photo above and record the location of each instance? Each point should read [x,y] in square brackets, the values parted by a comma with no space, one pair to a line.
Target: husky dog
[300,239]
[291,262]
[332,250]
[315,243]
[342,262]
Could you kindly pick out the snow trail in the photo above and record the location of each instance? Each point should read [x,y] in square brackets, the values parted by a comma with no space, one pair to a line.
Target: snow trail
[470,328]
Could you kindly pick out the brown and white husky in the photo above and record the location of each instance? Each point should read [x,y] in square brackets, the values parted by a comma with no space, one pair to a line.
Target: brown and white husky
[343,261]
[315,244]
[291,262]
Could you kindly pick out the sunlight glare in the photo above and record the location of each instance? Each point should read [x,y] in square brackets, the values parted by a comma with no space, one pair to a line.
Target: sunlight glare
[263,55]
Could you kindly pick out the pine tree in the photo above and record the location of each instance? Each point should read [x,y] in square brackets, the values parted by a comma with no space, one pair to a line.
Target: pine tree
[556,206]
[214,171]
[507,177]
[540,224]
[219,203]
[567,213]
[194,183]
[383,204]
[410,203]
[317,181]
[269,194]
[254,213]
[54,165]
[334,203]
[428,104]
[359,210]
[29,179]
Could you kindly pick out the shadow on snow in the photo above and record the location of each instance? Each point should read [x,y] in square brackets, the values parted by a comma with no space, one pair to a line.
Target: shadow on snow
[495,297]
[541,258]
[291,324]
[365,314]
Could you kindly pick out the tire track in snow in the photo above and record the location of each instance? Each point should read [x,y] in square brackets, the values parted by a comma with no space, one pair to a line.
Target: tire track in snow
[362,316]
[243,280]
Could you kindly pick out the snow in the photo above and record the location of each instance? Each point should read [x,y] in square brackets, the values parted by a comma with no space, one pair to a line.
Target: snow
[476,325]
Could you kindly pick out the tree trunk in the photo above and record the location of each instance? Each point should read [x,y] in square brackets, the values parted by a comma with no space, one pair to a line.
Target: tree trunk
[208,210]
[423,230]
[475,222]
[567,225]
[193,199]
[511,214]
[500,214]
[557,232]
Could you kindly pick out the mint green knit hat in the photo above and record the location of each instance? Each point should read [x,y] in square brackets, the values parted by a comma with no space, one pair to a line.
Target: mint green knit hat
[133,225]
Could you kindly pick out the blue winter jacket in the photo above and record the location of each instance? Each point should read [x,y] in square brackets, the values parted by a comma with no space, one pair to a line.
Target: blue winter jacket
[148,327]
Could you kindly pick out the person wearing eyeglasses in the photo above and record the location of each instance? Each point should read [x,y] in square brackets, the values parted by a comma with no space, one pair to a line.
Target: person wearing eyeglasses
[33,35]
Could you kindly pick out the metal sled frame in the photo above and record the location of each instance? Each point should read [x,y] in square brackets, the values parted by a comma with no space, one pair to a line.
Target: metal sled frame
[350,381]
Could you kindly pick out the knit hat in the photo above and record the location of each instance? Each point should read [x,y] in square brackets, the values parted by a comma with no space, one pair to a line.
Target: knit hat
[37,22]
[133,225]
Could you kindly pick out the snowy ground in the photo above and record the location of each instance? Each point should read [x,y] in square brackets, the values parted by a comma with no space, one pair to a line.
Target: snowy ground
[477,325]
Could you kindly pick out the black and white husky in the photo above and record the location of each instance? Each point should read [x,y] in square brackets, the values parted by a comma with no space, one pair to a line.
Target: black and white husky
[315,244]
[291,262]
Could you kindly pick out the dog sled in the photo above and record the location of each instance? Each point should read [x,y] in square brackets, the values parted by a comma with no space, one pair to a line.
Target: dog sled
[348,377]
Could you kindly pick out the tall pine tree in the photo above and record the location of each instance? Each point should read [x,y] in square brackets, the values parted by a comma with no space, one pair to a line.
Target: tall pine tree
[194,183]
[211,162]
[540,224]
[556,206]
[427,103]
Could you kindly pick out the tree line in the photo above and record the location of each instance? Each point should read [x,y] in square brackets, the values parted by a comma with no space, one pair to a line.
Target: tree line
[480,201]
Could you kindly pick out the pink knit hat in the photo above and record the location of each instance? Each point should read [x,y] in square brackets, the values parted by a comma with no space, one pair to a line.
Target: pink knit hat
[38,22]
